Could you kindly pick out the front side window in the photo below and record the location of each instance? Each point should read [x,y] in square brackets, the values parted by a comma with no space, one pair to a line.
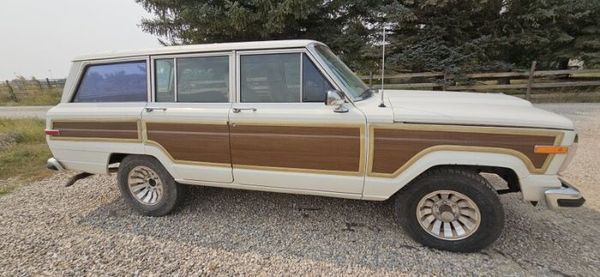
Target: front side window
[270,78]
[314,84]
[192,80]
[276,78]
[355,86]
[116,82]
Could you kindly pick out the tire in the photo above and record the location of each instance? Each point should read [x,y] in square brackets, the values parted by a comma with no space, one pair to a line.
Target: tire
[147,186]
[457,198]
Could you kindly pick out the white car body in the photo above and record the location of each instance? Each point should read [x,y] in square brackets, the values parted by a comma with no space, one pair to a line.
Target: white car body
[456,112]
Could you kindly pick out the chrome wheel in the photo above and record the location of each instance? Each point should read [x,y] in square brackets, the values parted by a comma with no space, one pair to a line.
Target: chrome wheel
[448,215]
[145,185]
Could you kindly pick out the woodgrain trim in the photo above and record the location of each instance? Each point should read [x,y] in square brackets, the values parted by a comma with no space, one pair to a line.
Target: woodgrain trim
[191,142]
[413,141]
[318,148]
[97,130]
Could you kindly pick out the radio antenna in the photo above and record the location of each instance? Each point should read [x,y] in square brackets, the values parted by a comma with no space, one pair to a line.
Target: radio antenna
[382,104]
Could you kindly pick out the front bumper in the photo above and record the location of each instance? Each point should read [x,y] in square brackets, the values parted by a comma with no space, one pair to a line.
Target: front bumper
[566,196]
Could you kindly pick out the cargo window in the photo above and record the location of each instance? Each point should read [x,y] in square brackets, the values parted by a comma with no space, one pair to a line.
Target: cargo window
[116,82]
[281,78]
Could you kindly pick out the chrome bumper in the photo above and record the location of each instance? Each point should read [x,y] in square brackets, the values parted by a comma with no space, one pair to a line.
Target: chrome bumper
[567,196]
[54,164]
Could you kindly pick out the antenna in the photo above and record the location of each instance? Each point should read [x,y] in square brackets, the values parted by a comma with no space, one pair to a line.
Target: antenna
[382,104]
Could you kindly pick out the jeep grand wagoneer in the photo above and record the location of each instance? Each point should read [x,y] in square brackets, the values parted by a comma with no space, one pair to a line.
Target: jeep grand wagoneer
[289,116]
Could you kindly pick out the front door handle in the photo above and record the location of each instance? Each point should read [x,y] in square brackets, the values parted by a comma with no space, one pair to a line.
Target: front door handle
[237,110]
[149,109]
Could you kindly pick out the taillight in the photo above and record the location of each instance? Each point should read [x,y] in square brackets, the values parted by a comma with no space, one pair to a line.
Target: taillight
[52,132]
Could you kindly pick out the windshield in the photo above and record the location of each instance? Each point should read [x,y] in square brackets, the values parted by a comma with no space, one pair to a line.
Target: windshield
[355,86]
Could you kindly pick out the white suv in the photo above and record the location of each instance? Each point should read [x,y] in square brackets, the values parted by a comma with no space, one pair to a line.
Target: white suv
[289,116]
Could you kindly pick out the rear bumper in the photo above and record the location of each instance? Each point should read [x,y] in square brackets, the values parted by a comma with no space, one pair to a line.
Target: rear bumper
[566,196]
[54,164]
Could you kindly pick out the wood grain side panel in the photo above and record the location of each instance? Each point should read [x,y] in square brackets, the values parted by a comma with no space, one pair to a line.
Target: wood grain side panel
[395,147]
[92,129]
[192,142]
[310,148]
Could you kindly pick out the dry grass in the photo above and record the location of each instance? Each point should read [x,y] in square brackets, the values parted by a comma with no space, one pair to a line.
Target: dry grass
[31,97]
[23,152]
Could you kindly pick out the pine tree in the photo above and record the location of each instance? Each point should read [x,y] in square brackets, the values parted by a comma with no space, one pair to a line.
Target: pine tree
[343,25]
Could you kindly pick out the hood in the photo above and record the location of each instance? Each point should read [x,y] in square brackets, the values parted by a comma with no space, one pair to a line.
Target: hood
[468,108]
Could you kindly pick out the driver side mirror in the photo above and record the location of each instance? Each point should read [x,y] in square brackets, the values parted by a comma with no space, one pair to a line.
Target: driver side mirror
[335,98]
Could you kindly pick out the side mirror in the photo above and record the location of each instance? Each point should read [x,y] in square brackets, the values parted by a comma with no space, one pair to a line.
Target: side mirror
[335,98]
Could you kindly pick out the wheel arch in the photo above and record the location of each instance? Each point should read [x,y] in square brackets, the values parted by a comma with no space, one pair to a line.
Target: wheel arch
[508,167]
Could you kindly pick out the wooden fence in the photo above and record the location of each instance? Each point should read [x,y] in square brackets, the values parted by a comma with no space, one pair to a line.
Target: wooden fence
[517,81]
[23,86]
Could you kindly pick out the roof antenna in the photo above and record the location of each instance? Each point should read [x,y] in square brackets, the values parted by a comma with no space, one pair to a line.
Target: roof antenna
[382,104]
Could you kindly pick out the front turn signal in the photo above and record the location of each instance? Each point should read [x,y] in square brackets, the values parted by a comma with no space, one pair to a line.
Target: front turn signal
[547,149]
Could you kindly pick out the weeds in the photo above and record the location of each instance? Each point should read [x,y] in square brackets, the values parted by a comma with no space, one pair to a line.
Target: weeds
[23,152]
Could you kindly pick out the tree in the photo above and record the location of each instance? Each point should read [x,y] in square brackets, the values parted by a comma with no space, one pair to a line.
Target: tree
[427,35]
[490,35]
[340,24]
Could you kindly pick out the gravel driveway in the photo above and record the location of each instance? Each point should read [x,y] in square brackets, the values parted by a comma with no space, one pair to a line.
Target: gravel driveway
[87,229]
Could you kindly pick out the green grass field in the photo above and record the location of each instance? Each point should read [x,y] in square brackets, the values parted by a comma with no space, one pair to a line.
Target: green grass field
[23,152]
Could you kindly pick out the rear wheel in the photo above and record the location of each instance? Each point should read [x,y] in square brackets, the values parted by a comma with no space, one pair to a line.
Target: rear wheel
[147,186]
[451,209]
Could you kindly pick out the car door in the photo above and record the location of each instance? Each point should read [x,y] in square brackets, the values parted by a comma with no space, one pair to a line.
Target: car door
[186,123]
[283,135]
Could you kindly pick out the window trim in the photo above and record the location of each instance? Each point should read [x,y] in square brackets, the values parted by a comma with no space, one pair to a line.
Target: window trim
[153,58]
[301,51]
[86,64]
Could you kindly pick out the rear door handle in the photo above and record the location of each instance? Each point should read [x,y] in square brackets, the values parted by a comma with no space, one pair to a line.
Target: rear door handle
[237,110]
[149,109]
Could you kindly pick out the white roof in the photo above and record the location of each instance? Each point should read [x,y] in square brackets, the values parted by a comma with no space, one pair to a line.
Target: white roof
[211,47]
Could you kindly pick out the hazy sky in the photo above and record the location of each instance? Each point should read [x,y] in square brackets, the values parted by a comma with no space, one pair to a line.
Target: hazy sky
[40,37]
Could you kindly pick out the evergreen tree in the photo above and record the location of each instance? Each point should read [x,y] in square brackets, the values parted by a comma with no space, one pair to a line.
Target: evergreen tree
[427,35]
[343,25]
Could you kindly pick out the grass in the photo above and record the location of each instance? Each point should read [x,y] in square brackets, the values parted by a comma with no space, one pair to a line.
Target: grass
[23,152]
[31,97]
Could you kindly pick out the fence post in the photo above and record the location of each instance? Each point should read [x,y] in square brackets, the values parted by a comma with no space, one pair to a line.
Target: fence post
[530,81]
[445,84]
[370,79]
[48,82]
[11,93]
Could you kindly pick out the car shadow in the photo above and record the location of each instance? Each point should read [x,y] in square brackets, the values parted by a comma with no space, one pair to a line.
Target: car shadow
[351,232]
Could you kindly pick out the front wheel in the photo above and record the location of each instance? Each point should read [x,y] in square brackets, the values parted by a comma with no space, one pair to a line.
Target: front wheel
[147,186]
[451,209]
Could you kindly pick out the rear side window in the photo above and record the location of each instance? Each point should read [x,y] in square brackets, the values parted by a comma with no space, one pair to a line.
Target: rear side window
[192,80]
[116,82]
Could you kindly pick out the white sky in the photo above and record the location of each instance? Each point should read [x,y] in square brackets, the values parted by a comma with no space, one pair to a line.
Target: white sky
[40,37]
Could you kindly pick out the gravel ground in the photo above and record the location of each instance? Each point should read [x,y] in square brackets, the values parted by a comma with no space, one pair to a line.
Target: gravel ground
[46,229]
